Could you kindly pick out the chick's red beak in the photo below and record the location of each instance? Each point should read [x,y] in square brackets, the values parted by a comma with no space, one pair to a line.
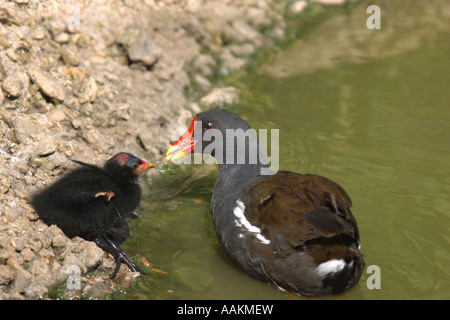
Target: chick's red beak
[143,166]
[184,145]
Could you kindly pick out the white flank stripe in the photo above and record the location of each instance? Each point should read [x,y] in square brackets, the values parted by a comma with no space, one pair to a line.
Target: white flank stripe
[330,266]
[242,221]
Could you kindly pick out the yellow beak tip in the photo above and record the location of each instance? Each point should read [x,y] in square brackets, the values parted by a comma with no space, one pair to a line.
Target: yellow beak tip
[170,150]
[174,156]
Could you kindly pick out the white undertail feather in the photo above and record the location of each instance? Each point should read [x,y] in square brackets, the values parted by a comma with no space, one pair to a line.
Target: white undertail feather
[331,266]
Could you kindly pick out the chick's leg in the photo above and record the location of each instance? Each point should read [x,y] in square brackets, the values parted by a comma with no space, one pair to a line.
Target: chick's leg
[108,245]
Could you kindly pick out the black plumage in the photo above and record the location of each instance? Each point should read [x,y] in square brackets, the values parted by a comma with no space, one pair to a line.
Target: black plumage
[94,203]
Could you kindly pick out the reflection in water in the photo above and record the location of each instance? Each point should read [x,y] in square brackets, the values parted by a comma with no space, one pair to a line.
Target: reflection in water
[376,121]
[405,25]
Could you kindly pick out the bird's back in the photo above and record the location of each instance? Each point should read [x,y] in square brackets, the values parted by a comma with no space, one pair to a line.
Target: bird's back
[305,232]
[308,207]
[71,203]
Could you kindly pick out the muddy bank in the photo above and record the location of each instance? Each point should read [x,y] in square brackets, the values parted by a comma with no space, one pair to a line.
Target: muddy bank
[86,79]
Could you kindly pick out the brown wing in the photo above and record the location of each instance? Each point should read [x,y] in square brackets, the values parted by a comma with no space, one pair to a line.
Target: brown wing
[294,210]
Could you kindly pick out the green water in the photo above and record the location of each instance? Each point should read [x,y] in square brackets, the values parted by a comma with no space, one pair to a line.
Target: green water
[375,120]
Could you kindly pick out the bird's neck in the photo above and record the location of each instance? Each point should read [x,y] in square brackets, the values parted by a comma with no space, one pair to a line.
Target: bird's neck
[124,181]
[241,154]
[240,165]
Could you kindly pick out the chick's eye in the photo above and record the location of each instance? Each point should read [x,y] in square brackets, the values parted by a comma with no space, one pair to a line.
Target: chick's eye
[208,126]
[135,163]
[138,163]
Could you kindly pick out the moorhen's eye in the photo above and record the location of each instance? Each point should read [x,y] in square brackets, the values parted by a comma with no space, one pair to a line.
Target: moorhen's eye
[208,126]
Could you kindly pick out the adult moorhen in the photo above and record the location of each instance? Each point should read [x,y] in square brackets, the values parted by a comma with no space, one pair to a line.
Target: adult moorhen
[293,230]
[93,203]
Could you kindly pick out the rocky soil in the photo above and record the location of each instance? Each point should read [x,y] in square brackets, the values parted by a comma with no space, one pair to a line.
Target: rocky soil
[86,79]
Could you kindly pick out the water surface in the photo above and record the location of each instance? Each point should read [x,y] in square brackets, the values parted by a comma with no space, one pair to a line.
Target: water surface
[375,119]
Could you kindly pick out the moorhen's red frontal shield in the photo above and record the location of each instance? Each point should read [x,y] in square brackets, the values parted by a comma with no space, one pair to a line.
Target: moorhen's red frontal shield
[184,145]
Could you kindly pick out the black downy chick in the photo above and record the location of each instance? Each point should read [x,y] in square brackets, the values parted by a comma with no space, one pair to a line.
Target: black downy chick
[94,203]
